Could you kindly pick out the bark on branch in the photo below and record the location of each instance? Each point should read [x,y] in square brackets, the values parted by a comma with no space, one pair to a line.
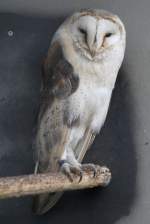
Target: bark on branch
[50,182]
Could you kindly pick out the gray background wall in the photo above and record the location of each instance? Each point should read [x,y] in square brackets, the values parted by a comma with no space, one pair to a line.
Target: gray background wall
[123,144]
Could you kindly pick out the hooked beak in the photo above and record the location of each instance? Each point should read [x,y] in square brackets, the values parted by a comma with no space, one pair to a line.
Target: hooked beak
[91,43]
[92,53]
[92,49]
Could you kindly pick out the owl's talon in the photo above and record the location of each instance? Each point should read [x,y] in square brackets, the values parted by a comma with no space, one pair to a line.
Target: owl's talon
[90,167]
[69,170]
[81,175]
[65,168]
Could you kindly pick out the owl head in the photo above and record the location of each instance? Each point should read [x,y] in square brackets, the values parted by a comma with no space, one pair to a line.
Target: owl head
[95,33]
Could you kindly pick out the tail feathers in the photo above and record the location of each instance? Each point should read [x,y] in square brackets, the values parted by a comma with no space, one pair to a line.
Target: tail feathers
[44,202]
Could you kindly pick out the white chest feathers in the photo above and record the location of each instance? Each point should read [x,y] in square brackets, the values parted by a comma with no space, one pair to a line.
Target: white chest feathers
[89,104]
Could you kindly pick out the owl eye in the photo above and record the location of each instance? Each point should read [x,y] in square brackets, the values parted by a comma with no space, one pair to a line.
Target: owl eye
[108,35]
[82,31]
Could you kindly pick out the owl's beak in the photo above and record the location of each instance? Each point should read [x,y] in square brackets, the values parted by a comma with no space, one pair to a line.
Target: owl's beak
[92,50]
[91,45]
[92,53]
[94,46]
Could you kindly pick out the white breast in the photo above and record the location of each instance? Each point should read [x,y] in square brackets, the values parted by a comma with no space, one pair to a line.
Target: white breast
[89,103]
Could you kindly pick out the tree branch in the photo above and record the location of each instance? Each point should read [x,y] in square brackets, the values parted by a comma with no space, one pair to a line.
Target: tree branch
[50,182]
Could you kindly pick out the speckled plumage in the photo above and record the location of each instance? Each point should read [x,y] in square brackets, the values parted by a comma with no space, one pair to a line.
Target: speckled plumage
[80,71]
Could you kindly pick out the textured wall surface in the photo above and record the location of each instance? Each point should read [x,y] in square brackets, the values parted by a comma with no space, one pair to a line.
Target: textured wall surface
[123,144]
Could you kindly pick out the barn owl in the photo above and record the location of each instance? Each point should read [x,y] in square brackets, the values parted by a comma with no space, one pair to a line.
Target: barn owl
[79,75]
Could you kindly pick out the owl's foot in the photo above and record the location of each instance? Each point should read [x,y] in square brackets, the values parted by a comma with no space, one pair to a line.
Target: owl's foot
[69,170]
[104,171]
[77,169]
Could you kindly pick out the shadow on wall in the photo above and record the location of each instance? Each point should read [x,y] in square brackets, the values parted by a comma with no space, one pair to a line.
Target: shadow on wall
[20,58]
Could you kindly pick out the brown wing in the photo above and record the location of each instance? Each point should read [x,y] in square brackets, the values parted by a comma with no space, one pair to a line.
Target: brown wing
[59,78]
[59,82]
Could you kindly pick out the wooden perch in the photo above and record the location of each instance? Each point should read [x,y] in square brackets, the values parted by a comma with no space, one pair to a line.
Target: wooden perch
[50,182]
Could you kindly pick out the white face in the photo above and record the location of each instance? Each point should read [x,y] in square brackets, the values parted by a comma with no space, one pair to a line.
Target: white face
[95,35]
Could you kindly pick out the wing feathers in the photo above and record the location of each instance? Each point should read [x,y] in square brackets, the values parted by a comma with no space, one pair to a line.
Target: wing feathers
[59,78]
[84,144]
[59,82]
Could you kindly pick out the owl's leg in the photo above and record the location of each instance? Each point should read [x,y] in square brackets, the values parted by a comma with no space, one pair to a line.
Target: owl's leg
[68,163]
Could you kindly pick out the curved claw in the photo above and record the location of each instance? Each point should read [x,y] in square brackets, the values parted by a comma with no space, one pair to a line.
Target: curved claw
[65,168]
[81,176]
[90,167]
[77,171]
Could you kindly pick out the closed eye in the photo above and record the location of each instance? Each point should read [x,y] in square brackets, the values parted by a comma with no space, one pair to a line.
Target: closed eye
[82,31]
[108,35]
